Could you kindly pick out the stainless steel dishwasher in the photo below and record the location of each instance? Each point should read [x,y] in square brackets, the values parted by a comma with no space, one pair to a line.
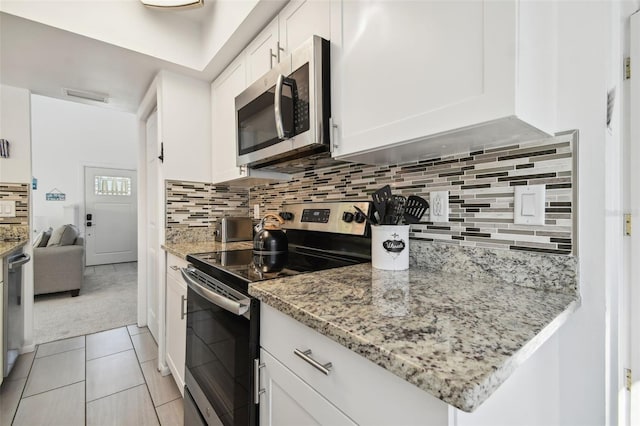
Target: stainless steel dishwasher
[13,309]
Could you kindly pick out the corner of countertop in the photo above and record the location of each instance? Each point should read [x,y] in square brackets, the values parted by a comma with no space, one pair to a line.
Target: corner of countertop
[6,247]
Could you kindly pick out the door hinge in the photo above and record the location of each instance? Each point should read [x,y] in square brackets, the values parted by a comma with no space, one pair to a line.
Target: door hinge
[627,68]
[628,380]
[627,224]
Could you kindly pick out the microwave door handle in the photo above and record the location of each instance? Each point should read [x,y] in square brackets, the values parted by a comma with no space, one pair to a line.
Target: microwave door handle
[213,297]
[277,107]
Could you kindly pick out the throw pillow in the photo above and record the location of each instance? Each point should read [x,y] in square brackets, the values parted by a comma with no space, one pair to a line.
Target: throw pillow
[63,236]
[38,240]
[46,235]
[69,235]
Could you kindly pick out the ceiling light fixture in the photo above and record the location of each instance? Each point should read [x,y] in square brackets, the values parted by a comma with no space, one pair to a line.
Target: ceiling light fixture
[83,94]
[173,4]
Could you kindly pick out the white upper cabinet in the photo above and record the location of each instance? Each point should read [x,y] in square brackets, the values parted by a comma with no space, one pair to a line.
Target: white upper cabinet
[184,126]
[415,79]
[224,90]
[297,22]
[262,53]
[301,19]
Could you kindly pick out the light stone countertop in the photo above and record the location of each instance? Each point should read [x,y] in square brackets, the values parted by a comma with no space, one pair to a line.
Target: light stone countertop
[458,337]
[6,247]
[183,249]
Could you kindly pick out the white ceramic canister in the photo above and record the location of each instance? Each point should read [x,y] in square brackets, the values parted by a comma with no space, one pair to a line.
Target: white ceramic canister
[390,247]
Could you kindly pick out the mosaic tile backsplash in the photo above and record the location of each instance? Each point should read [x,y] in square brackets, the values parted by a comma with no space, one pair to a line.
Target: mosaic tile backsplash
[193,209]
[15,227]
[481,193]
[480,184]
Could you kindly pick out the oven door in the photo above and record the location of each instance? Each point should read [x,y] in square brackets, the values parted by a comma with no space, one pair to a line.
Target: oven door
[222,343]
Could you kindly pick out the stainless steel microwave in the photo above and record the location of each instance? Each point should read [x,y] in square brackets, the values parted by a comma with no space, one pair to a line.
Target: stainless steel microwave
[284,115]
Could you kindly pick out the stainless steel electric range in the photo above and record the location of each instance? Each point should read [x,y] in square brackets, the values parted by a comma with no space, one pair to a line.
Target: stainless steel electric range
[222,354]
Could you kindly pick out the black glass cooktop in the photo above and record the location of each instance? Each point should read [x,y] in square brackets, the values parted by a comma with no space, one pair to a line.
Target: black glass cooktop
[245,266]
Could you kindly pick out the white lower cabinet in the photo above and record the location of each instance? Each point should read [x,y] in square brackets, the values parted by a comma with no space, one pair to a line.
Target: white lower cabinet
[355,390]
[176,319]
[288,400]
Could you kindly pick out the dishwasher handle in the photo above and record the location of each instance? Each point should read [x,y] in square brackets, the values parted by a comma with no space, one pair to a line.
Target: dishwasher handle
[17,261]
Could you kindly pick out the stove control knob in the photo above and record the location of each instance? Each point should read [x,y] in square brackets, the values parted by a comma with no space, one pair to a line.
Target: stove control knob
[359,217]
[286,215]
[347,217]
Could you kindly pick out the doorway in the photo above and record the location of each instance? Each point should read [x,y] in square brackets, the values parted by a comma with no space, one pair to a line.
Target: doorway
[110,216]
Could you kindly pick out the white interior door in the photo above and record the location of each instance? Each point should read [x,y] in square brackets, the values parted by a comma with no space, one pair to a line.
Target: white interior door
[111,215]
[153,246]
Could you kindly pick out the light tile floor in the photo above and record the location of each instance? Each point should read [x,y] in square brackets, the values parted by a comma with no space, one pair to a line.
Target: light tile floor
[103,378]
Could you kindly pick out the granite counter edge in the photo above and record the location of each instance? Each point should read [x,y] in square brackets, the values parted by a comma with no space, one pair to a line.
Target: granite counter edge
[174,251]
[467,399]
[473,398]
[12,245]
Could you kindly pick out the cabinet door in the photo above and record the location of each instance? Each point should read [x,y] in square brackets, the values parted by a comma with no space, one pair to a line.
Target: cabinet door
[408,69]
[288,400]
[176,327]
[262,54]
[301,19]
[223,93]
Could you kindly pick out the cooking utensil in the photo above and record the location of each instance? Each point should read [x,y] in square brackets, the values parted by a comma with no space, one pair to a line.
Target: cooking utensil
[415,208]
[380,198]
[369,221]
[395,210]
[270,238]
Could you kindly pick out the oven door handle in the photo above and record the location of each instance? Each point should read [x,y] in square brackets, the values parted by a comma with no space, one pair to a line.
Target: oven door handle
[237,308]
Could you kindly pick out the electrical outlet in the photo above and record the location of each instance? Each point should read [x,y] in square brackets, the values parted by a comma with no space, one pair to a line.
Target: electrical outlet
[8,208]
[256,211]
[439,206]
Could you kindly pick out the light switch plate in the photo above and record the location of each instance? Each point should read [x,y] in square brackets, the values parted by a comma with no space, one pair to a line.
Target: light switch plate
[439,206]
[528,205]
[8,208]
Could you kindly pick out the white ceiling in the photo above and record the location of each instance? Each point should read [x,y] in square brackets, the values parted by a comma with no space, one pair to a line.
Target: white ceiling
[46,59]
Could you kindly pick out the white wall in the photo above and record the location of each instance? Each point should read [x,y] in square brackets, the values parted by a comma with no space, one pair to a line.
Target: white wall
[68,136]
[15,113]
[583,57]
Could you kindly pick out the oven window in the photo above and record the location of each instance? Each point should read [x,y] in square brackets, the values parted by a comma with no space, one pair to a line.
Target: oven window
[219,358]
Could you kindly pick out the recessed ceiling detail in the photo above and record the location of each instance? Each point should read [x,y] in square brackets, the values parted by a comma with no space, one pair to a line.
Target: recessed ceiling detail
[172,4]
[83,94]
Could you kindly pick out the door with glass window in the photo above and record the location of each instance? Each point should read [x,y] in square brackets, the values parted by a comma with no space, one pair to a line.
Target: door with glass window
[110,216]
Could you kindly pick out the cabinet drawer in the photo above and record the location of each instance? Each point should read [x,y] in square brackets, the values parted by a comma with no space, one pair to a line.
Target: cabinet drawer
[290,401]
[353,382]
[174,263]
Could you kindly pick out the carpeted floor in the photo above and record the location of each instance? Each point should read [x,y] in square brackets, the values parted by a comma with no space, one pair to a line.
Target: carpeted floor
[107,300]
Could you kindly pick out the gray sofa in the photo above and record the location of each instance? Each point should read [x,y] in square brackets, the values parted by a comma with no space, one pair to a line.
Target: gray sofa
[59,268]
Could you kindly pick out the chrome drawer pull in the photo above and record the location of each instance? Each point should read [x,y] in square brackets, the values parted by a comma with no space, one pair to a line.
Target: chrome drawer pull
[306,355]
